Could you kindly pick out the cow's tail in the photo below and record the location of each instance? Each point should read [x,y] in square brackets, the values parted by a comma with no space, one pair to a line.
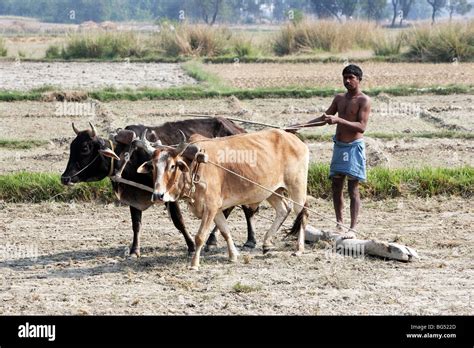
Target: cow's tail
[300,222]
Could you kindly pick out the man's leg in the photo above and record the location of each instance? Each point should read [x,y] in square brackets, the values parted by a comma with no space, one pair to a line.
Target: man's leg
[355,201]
[338,197]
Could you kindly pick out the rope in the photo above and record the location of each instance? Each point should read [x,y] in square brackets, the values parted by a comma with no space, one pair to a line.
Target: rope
[311,124]
[283,197]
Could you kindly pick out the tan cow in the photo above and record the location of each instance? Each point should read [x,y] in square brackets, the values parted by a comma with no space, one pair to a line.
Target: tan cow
[273,158]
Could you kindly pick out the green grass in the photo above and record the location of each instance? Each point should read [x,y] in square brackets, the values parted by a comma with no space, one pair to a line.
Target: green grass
[382,183]
[242,288]
[211,90]
[392,136]
[21,144]
[385,183]
[196,70]
[38,187]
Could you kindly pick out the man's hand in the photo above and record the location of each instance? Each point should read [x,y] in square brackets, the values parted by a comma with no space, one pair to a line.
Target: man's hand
[331,119]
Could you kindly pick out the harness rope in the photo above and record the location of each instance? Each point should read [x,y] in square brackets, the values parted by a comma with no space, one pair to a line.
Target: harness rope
[283,197]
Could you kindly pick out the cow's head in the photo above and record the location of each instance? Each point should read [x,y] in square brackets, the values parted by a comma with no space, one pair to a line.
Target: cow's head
[168,165]
[89,158]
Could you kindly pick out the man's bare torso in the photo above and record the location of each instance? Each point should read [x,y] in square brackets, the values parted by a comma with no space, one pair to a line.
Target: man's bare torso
[348,108]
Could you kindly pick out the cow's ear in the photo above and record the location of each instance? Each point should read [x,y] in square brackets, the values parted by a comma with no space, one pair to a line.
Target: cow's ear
[109,153]
[182,165]
[145,168]
[125,136]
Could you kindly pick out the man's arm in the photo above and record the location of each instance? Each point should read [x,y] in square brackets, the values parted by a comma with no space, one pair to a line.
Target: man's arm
[318,121]
[362,118]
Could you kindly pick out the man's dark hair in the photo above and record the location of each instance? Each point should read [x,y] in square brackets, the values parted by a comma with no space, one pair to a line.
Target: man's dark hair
[354,70]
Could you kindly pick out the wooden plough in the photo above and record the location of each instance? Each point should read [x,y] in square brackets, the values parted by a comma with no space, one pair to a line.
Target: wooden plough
[360,247]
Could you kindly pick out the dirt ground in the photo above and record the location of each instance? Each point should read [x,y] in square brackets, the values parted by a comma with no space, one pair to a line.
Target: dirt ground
[329,74]
[400,115]
[20,75]
[82,268]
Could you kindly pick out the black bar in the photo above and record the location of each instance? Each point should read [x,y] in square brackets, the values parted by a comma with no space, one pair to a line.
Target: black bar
[242,331]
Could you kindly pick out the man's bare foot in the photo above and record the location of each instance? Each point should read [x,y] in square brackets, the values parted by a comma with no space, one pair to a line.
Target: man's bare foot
[339,228]
[350,234]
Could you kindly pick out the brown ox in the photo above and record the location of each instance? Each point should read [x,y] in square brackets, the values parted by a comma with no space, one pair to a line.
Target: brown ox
[273,158]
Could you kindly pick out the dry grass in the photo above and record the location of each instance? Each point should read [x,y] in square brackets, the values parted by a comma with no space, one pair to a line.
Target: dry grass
[191,40]
[446,42]
[310,36]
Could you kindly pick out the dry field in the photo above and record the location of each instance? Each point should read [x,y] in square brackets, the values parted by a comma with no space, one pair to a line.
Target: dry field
[329,74]
[82,268]
[23,76]
[40,121]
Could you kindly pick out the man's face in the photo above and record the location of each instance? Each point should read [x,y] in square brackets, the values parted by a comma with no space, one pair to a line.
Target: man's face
[351,82]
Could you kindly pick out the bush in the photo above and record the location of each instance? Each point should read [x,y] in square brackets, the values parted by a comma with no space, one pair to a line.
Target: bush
[3,49]
[53,51]
[192,40]
[327,36]
[244,47]
[385,45]
[442,43]
[107,45]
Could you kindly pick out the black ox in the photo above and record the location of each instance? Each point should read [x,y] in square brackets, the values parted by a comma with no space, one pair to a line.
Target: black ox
[93,158]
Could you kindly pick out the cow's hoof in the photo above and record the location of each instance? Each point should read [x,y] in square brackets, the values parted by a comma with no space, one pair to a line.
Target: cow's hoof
[249,245]
[233,259]
[194,268]
[134,254]
[297,253]
[267,249]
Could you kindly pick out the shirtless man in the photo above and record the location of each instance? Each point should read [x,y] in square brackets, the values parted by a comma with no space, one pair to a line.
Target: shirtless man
[353,109]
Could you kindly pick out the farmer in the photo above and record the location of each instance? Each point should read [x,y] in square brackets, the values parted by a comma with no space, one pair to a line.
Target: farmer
[348,159]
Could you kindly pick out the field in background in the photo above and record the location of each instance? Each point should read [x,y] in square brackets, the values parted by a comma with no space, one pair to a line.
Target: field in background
[445,42]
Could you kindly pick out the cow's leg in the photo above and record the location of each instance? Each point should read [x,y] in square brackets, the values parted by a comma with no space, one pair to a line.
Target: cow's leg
[221,222]
[282,209]
[249,212]
[177,218]
[212,240]
[202,234]
[298,194]
[136,225]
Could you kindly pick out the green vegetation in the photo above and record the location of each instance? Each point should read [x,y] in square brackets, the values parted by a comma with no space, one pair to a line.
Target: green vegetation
[212,88]
[389,183]
[21,144]
[3,49]
[242,288]
[391,136]
[382,183]
[102,45]
[38,187]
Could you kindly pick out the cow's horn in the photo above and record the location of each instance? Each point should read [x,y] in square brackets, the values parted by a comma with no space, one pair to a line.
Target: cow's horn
[75,129]
[94,132]
[182,145]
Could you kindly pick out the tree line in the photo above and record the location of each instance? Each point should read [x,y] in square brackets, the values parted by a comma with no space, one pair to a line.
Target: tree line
[231,11]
